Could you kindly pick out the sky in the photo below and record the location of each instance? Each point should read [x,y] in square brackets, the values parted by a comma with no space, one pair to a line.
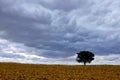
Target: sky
[53,31]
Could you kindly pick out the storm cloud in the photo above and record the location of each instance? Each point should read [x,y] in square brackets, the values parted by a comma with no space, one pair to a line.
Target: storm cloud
[56,30]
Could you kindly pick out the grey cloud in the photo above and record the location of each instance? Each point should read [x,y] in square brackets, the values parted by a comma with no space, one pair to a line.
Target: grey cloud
[67,5]
[8,55]
[57,29]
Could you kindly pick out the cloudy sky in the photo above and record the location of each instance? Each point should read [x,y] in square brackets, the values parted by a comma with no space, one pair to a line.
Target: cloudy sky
[53,31]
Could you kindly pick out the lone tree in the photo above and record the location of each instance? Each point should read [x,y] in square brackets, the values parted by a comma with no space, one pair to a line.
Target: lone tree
[85,57]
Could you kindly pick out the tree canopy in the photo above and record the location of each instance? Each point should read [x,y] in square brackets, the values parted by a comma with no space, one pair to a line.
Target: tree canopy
[85,57]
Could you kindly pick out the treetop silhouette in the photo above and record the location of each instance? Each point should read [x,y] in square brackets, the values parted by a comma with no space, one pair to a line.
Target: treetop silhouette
[85,57]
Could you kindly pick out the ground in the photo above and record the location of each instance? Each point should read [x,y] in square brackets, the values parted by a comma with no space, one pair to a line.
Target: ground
[16,71]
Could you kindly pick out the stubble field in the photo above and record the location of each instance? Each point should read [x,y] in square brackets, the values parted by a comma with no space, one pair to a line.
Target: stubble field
[15,71]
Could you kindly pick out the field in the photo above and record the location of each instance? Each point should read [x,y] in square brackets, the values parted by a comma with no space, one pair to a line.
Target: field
[15,71]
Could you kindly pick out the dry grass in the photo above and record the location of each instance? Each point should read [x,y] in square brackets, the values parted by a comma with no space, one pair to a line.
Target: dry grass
[14,71]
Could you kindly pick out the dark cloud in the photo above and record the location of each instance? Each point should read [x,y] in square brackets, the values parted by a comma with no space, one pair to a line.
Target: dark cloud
[59,29]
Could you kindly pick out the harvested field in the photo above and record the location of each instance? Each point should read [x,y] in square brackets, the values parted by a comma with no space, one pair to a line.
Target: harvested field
[16,71]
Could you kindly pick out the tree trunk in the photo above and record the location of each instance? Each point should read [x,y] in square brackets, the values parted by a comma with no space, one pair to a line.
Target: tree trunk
[84,63]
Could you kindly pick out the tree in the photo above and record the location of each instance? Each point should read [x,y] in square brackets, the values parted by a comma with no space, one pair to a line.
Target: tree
[85,57]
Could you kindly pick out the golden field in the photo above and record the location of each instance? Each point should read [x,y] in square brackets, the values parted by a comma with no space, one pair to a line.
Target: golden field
[16,71]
